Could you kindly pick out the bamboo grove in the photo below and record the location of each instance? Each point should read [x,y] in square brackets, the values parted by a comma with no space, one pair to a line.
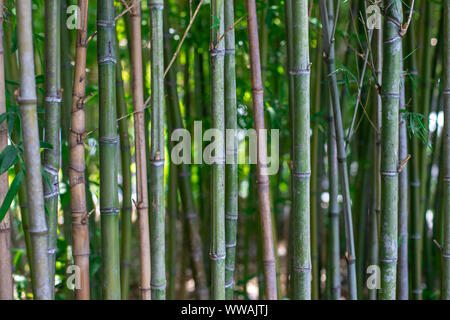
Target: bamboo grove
[221,149]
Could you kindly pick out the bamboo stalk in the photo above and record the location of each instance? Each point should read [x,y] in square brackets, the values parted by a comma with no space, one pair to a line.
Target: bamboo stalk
[77,167]
[27,102]
[141,164]
[231,168]
[327,16]
[108,140]
[158,269]
[52,127]
[125,157]
[390,94]
[172,213]
[445,291]
[261,167]
[184,179]
[6,281]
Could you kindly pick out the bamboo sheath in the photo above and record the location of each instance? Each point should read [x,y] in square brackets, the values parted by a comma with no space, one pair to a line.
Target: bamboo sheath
[6,281]
[261,167]
[27,102]
[77,166]
[141,162]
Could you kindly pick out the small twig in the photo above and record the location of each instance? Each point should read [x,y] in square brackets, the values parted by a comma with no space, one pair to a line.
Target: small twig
[404,28]
[403,163]
[89,97]
[437,244]
[183,38]
[229,29]
[335,21]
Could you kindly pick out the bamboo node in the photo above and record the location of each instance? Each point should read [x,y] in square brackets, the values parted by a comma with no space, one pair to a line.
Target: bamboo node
[106,59]
[158,286]
[51,194]
[109,211]
[231,216]
[301,175]
[217,52]
[229,268]
[56,99]
[302,269]
[106,23]
[230,245]
[216,257]
[109,140]
[229,284]
[388,261]
[389,173]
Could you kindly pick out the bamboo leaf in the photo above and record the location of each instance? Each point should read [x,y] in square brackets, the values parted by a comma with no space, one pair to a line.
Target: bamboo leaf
[11,194]
[8,158]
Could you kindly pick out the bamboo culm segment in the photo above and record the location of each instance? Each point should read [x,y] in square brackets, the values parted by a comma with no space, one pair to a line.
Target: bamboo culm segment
[158,266]
[6,280]
[77,168]
[184,177]
[327,17]
[108,139]
[301,162]
[270,280]
[52,127]
[125,157]
[390,95]
[231,168]
[141,160]
[27,102]
[445,288]
[217,246]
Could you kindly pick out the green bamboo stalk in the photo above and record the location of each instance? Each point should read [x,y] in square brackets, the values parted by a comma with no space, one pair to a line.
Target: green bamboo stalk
[445,289]
[140,151]
[79,212]
[66,107]
[402,268]
[390,94]
[52,127]
[301,171]
[217,246]
[125,158]
[172,214]
[269,260]
[333,210]
[6,280]
[328,16]
[27,101]
[108,139]
[184,178]
[231,168]
[158,269]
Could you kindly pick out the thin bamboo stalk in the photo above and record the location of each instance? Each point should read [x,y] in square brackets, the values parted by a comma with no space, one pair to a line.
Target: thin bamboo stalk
[52,127]
[108,139]
[327,16]
[6,282]
[390,94]
[445,291]
[125,157]
[231,168]
[158,269]
[77,167]
[141,164]
[172,214]
[261,167]
[27,101]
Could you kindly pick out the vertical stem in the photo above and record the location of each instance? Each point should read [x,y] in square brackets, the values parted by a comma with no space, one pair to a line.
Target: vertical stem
[27,101]
[445,291]
[390,95]
[172,212]
[6,282]
[140,153]
[231,169]
[261,166]
[301,168]
[80,218]
[108,139]
[158,268]
[52,127]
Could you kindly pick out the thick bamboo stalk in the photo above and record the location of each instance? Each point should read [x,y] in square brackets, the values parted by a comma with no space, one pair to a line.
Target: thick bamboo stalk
[445,288]
[390,95]
[52,127]
[27,101]
[140,153]
[402,268]
[125,158]
[231,168]
[217,246]
[108,139]
[327,16]
[301,163]
[6,282]
[66,107]
[77,167]
[172,215]
[261,166]
[184,179]
[158,268]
